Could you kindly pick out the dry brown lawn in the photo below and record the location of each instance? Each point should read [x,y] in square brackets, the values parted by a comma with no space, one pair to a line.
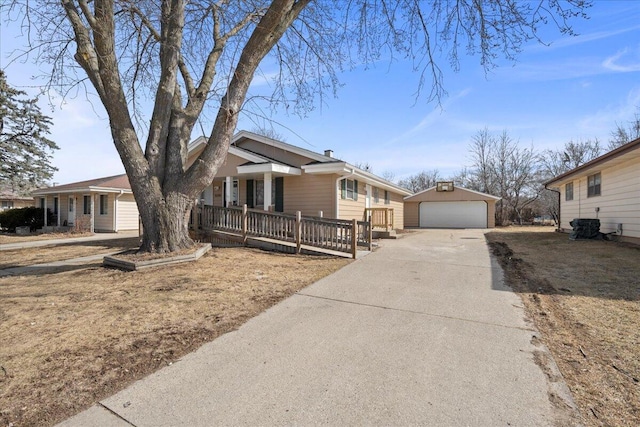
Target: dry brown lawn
[6,238]
[584,297]
[72,338]
[64,251]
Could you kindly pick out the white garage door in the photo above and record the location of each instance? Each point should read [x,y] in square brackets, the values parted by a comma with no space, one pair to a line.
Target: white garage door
[453,214]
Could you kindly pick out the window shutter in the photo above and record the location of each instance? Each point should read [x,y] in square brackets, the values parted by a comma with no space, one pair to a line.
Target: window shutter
[355,190]
[343,188]
[280,194]
[250,193]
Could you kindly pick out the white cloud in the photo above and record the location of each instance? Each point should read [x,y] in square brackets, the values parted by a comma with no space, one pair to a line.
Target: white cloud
[616,62]
[436,116]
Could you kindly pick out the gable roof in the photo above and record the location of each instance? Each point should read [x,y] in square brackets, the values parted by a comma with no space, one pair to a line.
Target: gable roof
[413,197]
[243,134]
[623,153]
[107,184]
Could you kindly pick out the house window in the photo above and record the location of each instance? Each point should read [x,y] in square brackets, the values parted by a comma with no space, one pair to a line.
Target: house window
[86,205]
[42,203]
[568,192]
[7,204]
[55,206]
[387,197]
[104,198]
[349,189]
[71,199]
[376,195]
[593,185]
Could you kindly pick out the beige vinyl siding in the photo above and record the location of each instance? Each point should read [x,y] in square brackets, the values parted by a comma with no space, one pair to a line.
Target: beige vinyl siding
[310,194]
[412,214]
[128,216]
[619,200]
[350,209]
[103,222]
[218,195]
[397,204]
[64,208]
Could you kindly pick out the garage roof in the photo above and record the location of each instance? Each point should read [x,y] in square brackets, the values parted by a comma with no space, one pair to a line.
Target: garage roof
[458,194]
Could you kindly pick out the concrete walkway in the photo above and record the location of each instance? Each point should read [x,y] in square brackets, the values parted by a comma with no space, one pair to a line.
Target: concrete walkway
[51,242]
[421,332]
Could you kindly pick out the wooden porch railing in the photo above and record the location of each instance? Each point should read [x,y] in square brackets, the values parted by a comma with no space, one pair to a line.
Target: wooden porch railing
[380,217]
[326,233]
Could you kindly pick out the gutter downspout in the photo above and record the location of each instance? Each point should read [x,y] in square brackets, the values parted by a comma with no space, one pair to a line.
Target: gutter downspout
[115,211]
[559,206]
[351,175]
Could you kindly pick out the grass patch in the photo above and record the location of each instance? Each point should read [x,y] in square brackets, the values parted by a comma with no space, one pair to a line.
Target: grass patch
[584,297]
[72,338]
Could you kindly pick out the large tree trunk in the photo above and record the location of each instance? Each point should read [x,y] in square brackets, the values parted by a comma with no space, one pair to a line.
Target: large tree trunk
[166,223]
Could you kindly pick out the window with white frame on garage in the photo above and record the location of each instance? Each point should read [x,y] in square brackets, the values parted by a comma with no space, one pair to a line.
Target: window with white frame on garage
[568,192]
[594,183]
[387,197]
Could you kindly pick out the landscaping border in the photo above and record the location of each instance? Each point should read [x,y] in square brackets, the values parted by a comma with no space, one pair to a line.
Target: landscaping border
[122,264]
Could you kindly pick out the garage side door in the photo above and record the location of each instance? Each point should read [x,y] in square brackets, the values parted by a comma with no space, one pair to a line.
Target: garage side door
[453,214]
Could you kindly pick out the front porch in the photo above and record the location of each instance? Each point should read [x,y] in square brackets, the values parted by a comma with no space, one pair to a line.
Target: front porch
[316,234]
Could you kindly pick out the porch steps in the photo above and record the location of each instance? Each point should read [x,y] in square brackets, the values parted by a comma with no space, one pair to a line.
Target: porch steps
[385,234]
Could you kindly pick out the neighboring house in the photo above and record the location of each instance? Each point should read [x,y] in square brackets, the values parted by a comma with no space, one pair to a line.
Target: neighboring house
[10,200]
[448,206]
[275,176]
[607,188]
[101,205]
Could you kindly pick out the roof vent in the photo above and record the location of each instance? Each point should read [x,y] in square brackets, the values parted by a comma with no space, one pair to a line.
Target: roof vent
[328,153]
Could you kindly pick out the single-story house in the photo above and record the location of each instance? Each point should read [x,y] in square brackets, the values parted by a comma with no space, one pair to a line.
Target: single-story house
[11,200]
[275,176]
[448,206]
[100,205]
[606,188]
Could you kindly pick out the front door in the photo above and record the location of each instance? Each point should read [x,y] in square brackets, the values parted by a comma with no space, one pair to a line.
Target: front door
[72,214]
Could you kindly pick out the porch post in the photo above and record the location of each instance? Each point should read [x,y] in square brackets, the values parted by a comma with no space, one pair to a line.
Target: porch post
[93,212]
[354,238]
[59,208]
[45,211]
[227,192]
[267,191]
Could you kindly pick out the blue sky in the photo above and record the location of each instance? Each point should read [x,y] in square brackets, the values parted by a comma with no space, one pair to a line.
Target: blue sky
[576,88]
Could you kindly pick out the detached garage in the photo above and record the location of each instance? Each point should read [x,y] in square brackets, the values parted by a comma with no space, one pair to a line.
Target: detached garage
[447,206]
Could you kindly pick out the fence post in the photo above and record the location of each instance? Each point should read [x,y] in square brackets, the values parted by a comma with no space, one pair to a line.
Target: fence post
[386,219]
[245,219]
[298,231]
[370,234]
[354,238]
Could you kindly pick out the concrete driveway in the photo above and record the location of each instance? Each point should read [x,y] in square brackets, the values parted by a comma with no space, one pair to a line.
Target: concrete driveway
[421,332]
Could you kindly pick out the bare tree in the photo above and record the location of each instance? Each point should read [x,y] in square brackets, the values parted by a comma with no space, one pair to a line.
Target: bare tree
[194,58]
[269,132]
[572,155]
[365,166]
[502,168]
[624,134]
[421,181]
[557,162]
[389,175]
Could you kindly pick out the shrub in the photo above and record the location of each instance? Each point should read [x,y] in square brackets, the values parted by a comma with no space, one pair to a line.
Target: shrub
[30,216]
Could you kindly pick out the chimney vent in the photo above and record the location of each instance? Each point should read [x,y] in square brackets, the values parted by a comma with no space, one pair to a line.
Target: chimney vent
[328,153]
